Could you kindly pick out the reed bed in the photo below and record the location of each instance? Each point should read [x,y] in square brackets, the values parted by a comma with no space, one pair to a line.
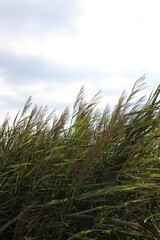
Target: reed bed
[92,175]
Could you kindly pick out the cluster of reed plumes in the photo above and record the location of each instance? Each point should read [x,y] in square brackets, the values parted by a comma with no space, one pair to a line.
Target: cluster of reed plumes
[96,177]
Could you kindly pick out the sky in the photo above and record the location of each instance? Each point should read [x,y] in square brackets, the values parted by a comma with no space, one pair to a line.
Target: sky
[49,49]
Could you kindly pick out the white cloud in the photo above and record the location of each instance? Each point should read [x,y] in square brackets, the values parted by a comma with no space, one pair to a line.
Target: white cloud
[111,36]
[5,89]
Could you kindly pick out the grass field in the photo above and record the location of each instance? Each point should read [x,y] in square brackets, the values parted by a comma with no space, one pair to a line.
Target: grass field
[94,175]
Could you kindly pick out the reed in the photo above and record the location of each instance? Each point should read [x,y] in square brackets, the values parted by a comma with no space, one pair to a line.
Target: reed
[96,179]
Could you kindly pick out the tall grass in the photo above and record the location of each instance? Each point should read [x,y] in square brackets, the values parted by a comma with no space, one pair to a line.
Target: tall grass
[99,178]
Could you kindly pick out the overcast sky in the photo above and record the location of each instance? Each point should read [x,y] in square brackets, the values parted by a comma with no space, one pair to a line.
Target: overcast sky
[49,49]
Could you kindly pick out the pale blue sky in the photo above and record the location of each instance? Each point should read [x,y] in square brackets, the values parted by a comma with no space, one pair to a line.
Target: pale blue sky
[49,49]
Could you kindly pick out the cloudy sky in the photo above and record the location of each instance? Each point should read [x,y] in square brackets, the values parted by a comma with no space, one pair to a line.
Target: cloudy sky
[49,49]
